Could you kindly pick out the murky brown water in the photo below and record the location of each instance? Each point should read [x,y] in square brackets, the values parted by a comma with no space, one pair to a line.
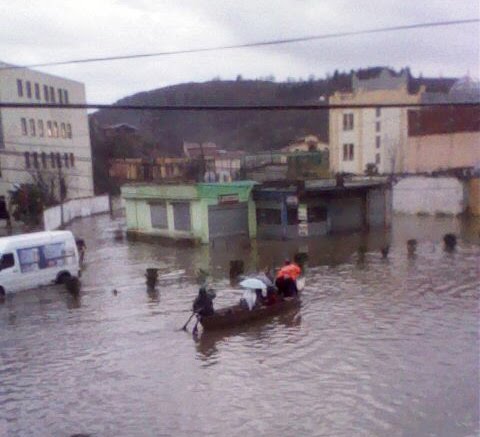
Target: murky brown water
[378,347]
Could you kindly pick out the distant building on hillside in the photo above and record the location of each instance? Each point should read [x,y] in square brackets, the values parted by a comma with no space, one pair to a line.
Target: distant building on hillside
[308,143]
[377,136]
[48,144]
[119,129]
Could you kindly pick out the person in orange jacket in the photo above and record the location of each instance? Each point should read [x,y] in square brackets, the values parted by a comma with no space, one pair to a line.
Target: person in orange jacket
[287,277]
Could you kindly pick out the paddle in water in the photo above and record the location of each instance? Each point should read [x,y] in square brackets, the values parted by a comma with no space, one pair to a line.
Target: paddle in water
[188,321]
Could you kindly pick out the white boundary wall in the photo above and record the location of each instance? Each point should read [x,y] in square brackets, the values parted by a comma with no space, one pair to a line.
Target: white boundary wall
[429,195]
[52,217]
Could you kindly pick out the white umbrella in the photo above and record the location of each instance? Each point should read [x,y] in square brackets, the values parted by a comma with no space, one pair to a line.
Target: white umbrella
[253,283]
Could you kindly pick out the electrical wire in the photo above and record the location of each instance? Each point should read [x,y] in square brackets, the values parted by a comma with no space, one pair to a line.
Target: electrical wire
[252,44]
[316,107]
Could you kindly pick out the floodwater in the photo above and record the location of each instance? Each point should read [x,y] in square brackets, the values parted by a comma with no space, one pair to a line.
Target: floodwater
[379,347]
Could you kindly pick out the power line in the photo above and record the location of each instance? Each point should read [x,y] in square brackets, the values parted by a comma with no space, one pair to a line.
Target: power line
[316,107]
[252,44]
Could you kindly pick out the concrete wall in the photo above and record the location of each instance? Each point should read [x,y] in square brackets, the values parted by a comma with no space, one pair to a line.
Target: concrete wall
[427,153]
[52,217]
[428,195]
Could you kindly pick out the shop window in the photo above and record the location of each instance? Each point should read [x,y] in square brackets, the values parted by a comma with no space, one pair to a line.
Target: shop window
[292,216]
[316,214]
[269,216]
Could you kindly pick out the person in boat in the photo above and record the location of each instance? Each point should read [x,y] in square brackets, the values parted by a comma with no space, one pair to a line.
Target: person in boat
[203,304]
[272,296]
[286,281]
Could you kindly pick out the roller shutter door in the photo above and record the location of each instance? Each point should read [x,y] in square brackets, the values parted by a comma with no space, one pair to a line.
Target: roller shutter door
[227,220]
[158,215]
[181,216]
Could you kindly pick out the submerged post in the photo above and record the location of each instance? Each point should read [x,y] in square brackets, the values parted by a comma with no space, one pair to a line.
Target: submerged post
[152,277]
[450,241]
[72,284]
[236,268]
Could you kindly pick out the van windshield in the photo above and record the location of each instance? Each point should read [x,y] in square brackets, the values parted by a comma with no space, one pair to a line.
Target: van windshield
[7,260]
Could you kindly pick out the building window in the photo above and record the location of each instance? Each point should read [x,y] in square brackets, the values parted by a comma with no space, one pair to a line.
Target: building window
[377,126]
[63,131]
[72,160]
[69,130]
[377,142]
[348,152]
[19,87]
[59,160]
[55,129]
[44,160]
[35,159]
[65,96]
[269,216]
[52,159]
[37,91]
[52,94]
[377,158]
[29,89]
[27,160]
[292,216]
[378,112]
[41,130]
[49,129]
[316,214]
[46,96]
[33,131]
[24,126]
[60,96]
[347,121]
[67,161]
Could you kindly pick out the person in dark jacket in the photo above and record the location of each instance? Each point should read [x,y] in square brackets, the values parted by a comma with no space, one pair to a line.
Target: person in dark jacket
[203,304]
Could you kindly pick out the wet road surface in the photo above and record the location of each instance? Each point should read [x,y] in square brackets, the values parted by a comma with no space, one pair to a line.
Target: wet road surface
[379,347]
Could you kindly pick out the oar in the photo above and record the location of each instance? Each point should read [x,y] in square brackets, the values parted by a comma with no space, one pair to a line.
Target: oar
[188,321]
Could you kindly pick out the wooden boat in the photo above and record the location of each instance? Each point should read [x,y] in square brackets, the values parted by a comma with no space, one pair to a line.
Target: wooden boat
[237,315]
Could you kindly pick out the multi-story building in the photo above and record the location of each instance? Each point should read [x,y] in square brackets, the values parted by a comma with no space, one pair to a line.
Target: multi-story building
[374,135]
[43,145]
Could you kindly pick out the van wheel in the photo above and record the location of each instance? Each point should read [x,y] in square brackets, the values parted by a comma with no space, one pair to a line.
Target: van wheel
[62,277]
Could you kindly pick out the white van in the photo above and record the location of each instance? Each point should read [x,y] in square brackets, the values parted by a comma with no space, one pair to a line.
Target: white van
[40,258]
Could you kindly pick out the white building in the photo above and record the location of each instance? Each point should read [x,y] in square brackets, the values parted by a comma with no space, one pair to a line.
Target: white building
[363,136]
[48,144]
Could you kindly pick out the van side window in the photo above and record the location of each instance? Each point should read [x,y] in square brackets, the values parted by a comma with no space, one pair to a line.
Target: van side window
[7,261]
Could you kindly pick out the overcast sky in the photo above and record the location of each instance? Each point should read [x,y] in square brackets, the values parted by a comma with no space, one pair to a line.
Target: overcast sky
[36,31]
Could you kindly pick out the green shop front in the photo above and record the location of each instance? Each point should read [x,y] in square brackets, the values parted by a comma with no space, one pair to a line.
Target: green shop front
[191,212]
